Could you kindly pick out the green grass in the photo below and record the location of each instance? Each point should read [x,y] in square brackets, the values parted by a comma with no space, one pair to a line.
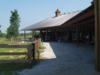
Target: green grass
[11,50]
[27,35]
[12,57]
[9,42]
[42,46]
[4,41]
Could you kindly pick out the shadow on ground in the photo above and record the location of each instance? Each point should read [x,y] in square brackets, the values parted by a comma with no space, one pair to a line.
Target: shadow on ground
[15,68]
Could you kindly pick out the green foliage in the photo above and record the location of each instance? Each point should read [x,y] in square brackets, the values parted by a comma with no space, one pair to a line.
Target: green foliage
[36,34]
[4,40]
[12,50]
[13,29]
[2,34]
[21,35]
[42,46]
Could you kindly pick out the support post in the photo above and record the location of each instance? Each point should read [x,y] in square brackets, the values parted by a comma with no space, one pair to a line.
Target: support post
[97,33]
[41,34]
[56,36]
[46,36]
[77,35]
[33,36]
[70,36]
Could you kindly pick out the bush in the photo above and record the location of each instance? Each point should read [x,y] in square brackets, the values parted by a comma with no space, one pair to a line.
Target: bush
[42,46]
[36,35]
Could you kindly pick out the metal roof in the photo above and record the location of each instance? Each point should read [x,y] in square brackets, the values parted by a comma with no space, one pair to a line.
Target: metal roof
[51,22]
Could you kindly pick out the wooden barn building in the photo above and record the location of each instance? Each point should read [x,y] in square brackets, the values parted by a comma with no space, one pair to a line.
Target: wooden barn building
[76,26]
[83,26]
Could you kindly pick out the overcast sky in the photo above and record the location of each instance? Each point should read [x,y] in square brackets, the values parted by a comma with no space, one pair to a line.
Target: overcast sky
[32,11]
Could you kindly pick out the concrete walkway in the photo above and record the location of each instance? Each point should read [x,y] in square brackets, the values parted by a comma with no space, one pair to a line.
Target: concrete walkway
[71,60]
[48,52]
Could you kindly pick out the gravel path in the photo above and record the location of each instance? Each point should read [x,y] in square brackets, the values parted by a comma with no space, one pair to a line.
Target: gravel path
[70,60]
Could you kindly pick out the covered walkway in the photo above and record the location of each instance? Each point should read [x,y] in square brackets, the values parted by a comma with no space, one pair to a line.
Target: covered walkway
[71,60]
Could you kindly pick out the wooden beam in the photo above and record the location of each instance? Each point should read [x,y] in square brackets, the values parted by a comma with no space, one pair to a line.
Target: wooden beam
[97,33]
[16,53]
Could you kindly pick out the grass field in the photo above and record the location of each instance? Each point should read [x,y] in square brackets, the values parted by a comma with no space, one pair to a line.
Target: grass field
[4,41]
[12,57]
[12,50]
[9,42]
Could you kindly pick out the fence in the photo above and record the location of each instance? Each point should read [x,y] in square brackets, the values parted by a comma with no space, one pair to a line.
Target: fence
[13,53]
[12,46]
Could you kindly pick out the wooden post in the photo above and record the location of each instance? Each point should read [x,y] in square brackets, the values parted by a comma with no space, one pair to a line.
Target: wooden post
[46,36]
[33,39]
[41,35]
[55,36]
[97,33]
[77,35]
[70,36]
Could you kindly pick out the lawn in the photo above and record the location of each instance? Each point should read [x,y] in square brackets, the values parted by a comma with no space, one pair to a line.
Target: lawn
[12,50]
[4,41]
[12,57]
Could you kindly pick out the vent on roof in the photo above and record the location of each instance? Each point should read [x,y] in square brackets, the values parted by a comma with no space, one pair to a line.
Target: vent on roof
[57,13]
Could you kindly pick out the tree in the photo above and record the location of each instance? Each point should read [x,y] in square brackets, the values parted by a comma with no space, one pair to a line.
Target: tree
[1,34]
[13,29]
[36,34]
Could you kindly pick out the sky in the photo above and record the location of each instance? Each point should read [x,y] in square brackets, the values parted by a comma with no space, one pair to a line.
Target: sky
[33,11]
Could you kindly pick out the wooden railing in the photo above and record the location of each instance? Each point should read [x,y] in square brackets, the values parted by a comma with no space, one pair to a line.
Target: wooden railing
[12,46]
[13,54]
